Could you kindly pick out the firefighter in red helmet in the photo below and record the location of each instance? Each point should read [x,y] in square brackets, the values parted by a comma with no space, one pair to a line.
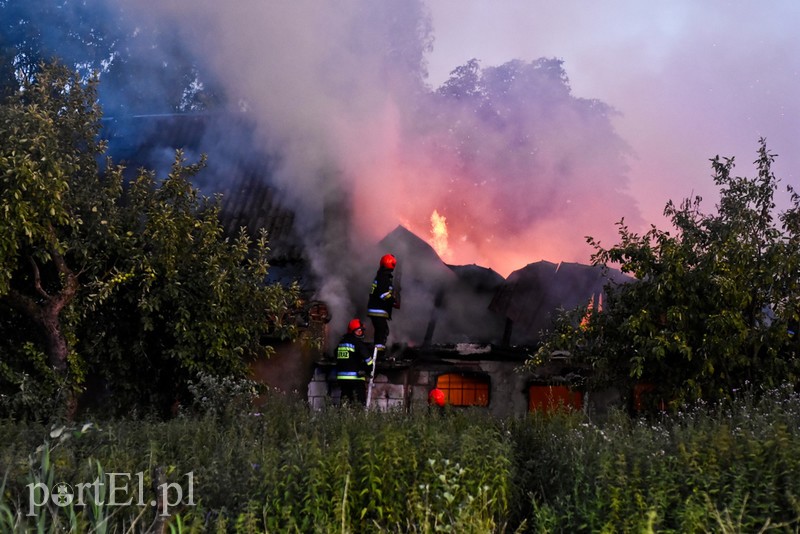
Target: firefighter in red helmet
[388,261]
[383,297]
[353,360]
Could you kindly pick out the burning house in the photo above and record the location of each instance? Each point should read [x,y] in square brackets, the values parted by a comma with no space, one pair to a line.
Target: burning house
[463,329]
[339,136]
[457,325]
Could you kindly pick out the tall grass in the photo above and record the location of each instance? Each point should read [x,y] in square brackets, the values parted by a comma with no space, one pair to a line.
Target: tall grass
[288,469]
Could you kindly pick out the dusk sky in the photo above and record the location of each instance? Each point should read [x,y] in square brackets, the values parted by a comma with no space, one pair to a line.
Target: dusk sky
[348,92]
[691,79]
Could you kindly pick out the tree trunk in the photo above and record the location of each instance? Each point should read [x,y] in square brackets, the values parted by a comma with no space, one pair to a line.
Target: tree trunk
[45,312]
[57,353]
[55,342]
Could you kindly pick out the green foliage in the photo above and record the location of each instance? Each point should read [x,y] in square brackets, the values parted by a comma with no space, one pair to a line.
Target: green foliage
[180,298]
[222,396]
[727,469]
[705,470]
[49,129]
[130,289]
[714,304]
[33,386]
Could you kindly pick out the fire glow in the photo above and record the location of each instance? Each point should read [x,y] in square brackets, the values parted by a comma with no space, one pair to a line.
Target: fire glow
[439,235]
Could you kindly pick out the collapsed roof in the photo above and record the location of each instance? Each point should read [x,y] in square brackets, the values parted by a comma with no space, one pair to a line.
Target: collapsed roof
[530,297]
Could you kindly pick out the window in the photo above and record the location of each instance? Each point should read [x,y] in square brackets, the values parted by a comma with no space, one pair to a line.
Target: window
[547,398]
[464,389]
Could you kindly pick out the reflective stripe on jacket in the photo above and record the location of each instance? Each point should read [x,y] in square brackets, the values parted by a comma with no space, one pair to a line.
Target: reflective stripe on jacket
[349,375]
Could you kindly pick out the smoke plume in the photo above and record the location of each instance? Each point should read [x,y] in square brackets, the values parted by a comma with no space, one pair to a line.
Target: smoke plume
[520,168]
[500,166]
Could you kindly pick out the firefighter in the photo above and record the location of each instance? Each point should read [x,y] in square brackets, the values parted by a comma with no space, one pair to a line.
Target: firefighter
[353,361]
[382,299]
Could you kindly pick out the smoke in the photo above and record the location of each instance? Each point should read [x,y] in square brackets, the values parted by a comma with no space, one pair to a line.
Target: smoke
[340,89]
[507,161]
[511,165]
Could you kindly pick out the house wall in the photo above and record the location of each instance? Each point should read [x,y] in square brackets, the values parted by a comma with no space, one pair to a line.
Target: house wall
[407,386]
[408,389]
[389,392]
[320,391]
[508,395]
[600,403]
[390,389]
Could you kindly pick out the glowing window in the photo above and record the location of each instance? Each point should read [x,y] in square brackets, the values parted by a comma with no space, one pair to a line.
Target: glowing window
[464,390]
[547,398]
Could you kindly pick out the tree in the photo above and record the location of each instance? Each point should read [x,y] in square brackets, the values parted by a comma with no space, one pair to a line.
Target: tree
[49,129]
[144,68]
[714,306]
[180,300]
[134,283]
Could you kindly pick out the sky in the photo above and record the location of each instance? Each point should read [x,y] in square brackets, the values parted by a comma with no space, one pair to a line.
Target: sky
[348,93]
[690,79]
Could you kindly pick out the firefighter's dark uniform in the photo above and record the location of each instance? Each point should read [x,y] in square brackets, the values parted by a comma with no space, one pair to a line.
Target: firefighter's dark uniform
[353,360]
[380,305]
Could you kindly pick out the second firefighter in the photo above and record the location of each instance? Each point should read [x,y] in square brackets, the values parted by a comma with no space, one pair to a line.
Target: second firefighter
[353,361]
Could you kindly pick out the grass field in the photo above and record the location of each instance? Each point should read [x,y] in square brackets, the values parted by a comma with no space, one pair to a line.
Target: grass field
[288,469]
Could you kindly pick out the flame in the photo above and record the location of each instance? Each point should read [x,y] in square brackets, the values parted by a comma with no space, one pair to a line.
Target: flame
[439,234]
[473,231]
[592,309]
[589,312]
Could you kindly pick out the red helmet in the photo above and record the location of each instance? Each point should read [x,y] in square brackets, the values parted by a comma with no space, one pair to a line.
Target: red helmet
[388,261]
[437,397]
[354,325]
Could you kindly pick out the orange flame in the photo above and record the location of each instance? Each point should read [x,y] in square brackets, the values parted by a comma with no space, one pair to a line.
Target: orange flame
[439,234]
[592,309]
[587,315]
